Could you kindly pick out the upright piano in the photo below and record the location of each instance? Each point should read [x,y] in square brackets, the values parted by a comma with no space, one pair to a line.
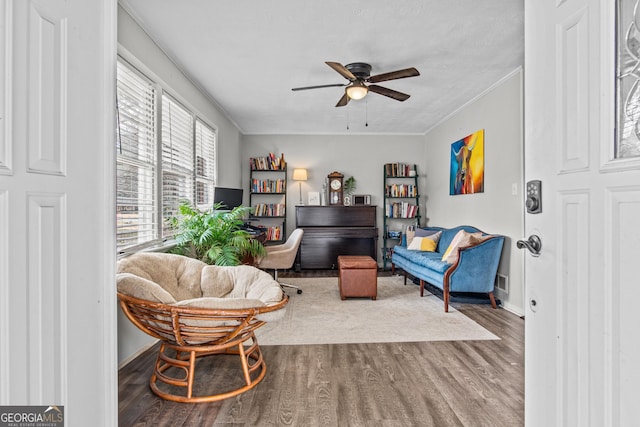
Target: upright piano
[330,231]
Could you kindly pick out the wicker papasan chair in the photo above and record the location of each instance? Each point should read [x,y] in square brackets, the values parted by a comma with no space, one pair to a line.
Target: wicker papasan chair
[198,310]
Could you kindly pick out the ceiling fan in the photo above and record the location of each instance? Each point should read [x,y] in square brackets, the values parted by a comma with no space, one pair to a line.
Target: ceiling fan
[359,76]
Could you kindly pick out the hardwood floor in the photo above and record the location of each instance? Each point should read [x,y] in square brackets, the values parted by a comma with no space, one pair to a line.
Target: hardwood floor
[457,383]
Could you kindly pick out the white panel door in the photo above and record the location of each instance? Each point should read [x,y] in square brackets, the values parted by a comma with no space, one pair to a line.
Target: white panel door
[57,239]
[581,348]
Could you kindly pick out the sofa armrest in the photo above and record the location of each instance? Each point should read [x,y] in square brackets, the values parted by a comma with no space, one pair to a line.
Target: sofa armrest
[476,268]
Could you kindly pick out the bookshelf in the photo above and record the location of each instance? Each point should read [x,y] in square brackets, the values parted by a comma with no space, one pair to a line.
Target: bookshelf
[268,196]
[401,205]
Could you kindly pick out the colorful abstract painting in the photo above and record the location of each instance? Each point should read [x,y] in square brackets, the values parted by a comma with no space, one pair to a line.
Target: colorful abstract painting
[467,165]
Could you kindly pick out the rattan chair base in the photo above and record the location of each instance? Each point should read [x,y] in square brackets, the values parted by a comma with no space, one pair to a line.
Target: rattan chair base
[187,334]
[253,366]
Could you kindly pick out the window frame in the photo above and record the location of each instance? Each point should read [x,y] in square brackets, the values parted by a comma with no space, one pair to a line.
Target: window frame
[161,89]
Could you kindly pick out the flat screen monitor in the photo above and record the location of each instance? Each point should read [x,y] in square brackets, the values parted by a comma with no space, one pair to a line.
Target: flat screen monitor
[230,198]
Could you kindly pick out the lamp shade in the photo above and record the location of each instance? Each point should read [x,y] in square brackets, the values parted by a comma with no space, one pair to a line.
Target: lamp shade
[357,90]
[299,174]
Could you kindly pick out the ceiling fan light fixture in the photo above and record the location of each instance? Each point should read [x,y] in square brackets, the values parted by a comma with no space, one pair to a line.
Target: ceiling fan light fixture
[357,90]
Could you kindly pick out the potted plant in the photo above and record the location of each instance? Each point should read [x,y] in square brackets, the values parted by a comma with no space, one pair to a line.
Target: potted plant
[349,186]
[215,236]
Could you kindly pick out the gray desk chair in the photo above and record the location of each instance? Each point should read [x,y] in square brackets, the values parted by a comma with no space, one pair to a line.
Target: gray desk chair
[283,256]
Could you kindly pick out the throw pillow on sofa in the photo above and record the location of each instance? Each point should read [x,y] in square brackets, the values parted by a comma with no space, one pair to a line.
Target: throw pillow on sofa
[420,232]
[462,239]
[425,243]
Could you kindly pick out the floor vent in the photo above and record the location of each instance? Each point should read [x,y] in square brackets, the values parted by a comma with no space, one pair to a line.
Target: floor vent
[502,283]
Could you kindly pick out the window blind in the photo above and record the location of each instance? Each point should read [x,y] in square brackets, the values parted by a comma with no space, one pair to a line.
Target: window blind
[177,159]
[136,207]
[161,161]
[205,164]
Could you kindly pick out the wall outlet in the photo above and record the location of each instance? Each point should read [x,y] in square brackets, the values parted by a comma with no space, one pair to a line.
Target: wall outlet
[514,189]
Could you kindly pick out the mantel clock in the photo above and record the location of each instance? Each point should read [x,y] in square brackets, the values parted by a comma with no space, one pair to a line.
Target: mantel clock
[336,188]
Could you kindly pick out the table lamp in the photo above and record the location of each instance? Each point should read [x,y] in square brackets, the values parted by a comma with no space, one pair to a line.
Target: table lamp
[300,175]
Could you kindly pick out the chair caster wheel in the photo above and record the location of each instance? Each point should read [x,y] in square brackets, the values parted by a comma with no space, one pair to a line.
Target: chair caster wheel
[299,291]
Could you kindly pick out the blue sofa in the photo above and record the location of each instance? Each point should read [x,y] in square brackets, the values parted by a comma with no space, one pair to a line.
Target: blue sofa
[475,271]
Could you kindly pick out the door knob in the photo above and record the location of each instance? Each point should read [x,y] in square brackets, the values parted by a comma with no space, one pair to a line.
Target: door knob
[533,244]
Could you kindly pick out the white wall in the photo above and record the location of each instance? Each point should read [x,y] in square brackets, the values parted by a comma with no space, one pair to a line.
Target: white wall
[499,112]
[360,156]
[141,51]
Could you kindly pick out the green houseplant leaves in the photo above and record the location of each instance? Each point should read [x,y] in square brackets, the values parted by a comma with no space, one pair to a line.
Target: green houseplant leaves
[214,236]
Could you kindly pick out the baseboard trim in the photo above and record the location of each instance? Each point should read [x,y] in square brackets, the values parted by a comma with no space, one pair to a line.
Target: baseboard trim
[513,309]
[133,356]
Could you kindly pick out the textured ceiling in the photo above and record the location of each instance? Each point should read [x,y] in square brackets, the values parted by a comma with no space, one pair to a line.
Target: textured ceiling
[248,54]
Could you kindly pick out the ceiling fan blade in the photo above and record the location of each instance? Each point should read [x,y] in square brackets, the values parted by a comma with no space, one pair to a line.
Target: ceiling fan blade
[342,70]
[394,75]
[319,86]
[399,96]
[343,101]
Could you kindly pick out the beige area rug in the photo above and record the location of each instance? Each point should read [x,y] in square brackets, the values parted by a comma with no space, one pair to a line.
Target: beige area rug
[319,316]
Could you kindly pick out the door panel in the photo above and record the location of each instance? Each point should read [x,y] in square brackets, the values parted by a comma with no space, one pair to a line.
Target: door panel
[57,222]
[622,346]
[579,290]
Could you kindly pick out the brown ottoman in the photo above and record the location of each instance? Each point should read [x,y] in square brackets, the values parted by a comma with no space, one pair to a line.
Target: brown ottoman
[357,276]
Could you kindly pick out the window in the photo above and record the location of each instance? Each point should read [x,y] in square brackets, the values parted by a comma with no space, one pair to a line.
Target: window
[177,159]
[136,206]
[160,163]
[205,161]
[627,79]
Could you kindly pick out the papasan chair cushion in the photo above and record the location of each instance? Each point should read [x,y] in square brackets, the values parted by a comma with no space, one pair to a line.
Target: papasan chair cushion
[198,310]
[182,281]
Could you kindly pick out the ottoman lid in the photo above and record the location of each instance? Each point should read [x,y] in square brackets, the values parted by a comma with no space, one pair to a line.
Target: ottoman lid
[356,262]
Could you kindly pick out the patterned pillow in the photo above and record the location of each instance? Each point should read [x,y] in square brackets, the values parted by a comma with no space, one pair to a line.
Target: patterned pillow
[419,232]
[426,243]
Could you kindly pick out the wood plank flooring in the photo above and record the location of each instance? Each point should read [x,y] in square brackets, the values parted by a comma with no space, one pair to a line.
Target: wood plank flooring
[457,383]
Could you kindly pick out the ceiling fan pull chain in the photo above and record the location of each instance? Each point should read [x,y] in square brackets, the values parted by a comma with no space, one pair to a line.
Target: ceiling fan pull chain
[347,117]
[366,113]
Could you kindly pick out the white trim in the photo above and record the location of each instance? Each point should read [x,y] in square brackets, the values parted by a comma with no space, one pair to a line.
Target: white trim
[4,298]
[349,133]
[107,372]
[514,309]
[6,50]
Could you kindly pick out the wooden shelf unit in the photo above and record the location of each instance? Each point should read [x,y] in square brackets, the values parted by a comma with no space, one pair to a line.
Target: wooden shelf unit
[268,198]
[401,205]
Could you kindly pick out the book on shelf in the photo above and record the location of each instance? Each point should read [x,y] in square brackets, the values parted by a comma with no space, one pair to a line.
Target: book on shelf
[271,232]
[401,190]
[274,233]
[399,170]
[269,209]
[269,162]
[268,185]
[401,210]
